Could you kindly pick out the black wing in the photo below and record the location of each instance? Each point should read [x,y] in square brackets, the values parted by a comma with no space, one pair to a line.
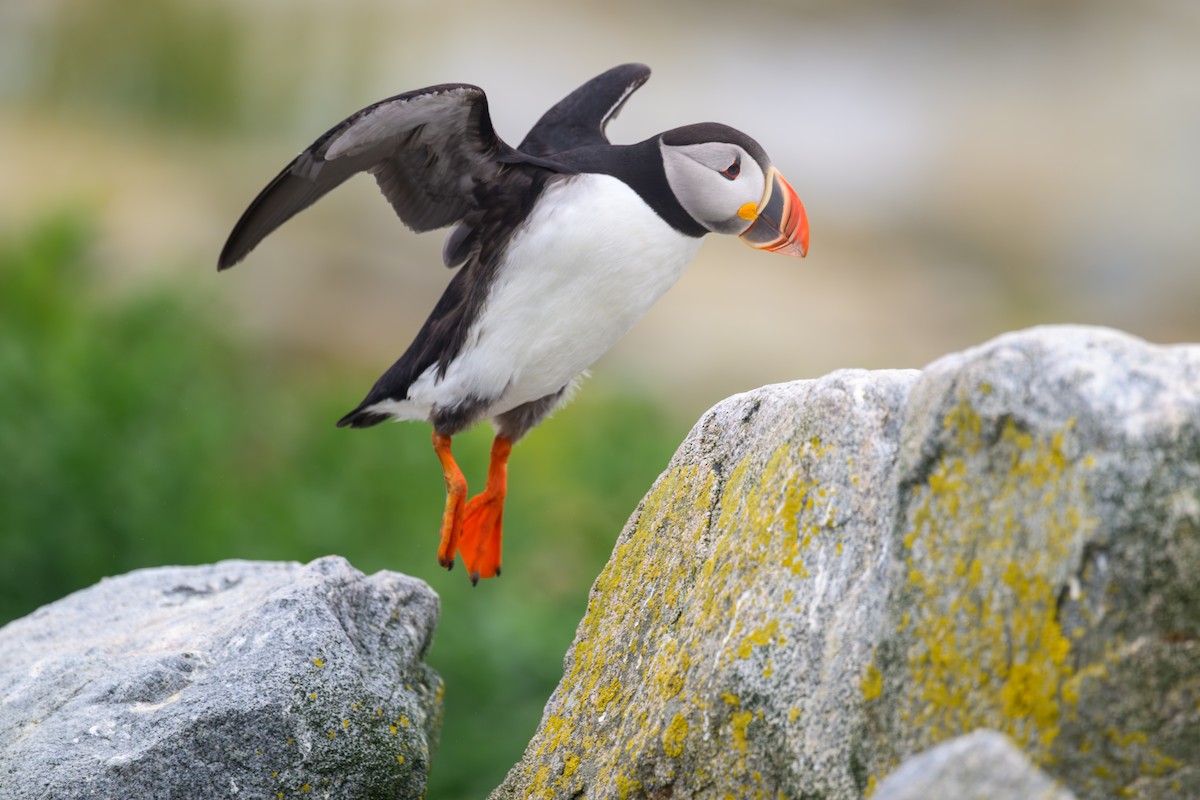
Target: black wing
[426,149]
[579,119]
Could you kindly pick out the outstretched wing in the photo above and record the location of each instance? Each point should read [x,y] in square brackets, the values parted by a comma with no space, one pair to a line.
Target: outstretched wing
[426,149]
[579,119]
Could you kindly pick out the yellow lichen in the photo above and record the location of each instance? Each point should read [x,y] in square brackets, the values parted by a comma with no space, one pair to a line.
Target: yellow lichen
[539,786]
[674,736]
[554,732]
[606,695]
[759,637]
[872,682]
[626,786]
[740,721]
[678,570]
[983,550]
[670,669]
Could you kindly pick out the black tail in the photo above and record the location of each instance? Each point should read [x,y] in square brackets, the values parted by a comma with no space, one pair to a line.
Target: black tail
[362,417]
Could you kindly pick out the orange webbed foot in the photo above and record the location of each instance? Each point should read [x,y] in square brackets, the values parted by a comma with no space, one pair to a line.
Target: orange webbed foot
[481,536]
[483,518]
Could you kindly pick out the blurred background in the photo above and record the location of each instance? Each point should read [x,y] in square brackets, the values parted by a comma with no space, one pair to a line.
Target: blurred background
[968,168]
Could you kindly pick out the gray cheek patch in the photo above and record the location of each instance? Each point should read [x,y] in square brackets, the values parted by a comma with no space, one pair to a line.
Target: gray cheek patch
[693,173]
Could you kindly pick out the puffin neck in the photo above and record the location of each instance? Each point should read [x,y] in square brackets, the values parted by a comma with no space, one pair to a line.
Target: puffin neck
[640,166]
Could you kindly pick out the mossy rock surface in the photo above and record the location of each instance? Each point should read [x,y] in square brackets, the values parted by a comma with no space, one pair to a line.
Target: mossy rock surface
[834,575]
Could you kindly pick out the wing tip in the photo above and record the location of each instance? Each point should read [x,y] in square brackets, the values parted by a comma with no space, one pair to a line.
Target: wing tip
[227,260]
[235,250]
[635,73]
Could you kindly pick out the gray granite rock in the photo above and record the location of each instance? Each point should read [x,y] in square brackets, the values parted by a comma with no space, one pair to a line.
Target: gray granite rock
[239,679]
[723,645]
[984,765]
[1043,579]
[834,575]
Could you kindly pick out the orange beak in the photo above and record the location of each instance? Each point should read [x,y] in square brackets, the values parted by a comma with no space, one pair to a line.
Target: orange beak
[780,224]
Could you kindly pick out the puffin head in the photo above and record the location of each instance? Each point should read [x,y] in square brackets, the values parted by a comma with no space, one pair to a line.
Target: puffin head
[723,179]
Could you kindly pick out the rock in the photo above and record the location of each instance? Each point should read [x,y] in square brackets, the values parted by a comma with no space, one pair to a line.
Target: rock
[984,765]
[724,640]
[834,575]
[1043,578]
[238,679]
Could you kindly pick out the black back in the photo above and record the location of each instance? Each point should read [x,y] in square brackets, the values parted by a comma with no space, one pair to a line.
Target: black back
[577,121]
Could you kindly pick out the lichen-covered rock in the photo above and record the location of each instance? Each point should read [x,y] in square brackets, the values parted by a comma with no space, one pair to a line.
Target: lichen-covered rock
[984,765]
[239,679]
[834,575]
[1044,573]
[726,637]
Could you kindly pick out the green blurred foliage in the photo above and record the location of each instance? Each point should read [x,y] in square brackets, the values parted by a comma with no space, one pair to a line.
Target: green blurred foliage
[133,434]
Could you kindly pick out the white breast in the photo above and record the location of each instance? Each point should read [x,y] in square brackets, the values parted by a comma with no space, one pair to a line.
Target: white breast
[589,262]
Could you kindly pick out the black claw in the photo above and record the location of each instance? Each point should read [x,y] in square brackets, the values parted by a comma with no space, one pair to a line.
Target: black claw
[474,578]
[497,572]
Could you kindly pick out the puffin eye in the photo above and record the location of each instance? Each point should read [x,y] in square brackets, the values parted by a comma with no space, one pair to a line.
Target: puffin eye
[733,170]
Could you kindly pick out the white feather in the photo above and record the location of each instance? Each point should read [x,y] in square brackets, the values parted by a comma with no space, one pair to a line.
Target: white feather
[587,264]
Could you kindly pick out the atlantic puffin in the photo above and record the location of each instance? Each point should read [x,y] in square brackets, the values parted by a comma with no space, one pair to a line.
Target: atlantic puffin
[561,244]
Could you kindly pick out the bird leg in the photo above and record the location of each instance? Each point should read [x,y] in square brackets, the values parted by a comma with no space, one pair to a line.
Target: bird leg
[480,543]
[456,495]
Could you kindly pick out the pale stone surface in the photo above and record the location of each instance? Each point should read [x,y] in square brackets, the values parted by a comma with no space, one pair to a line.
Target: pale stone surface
[834,575]
[239,679]
[984,765]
